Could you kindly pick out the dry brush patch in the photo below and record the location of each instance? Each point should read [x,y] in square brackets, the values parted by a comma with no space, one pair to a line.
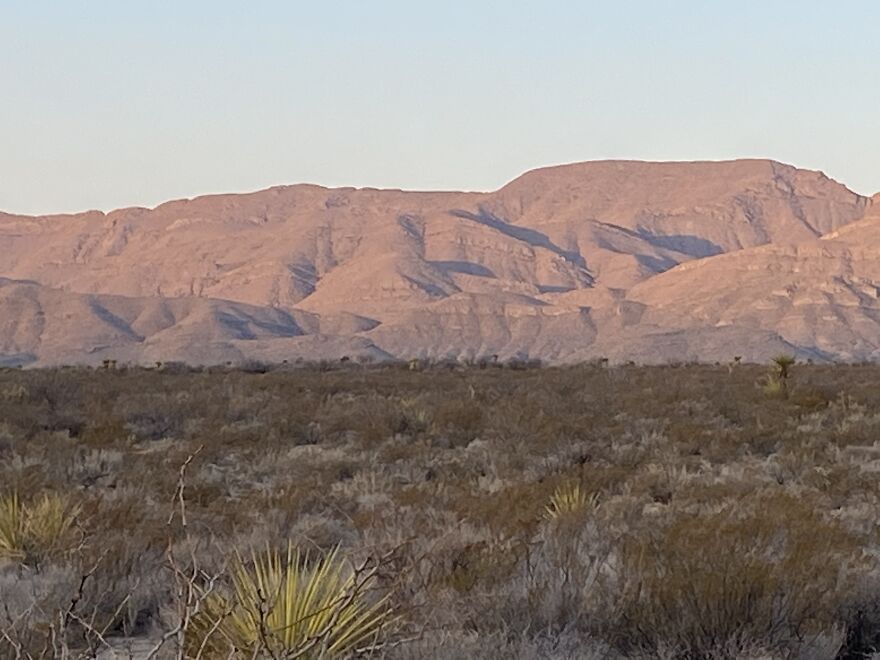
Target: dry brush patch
[588,511]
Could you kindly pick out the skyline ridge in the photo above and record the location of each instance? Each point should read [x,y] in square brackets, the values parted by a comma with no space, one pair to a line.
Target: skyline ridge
[540,168]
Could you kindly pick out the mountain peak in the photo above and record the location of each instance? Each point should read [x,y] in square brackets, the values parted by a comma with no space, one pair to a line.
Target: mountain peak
[563,263]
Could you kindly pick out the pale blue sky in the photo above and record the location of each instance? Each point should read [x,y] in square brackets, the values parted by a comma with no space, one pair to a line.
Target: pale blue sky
[115,103]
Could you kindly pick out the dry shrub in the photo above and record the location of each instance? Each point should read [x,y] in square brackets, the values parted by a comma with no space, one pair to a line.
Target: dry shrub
[456,466]
[769,571]
[460,421]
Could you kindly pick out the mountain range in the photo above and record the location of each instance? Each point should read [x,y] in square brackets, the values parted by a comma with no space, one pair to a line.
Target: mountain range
[625,260]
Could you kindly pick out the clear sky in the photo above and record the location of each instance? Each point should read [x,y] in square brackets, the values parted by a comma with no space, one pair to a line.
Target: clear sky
[108,103]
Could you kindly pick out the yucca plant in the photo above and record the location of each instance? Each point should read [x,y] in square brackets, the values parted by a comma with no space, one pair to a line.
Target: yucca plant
[783,365]
[285,605]
[11,528]
[567,499]
[776,382]
[49,521]
[29,533]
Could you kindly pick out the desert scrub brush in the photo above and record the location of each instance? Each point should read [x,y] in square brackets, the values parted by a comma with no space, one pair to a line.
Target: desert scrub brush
[285,605]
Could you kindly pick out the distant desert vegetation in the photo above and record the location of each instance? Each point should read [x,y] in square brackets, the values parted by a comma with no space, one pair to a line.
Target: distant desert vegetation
[442,511]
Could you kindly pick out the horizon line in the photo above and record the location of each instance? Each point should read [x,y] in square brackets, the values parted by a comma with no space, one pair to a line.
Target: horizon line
[429,191]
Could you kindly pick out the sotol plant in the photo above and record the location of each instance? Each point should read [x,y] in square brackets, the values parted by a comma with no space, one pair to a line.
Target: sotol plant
[569,499]
[287,606]
[29,533]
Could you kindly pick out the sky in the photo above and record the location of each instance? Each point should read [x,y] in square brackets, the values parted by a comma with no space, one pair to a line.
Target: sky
[105,104]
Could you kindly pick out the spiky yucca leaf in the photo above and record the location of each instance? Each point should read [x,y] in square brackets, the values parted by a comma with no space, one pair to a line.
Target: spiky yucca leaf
[11,528]
[48,522]
[568,499]
[280,605]
[31,532]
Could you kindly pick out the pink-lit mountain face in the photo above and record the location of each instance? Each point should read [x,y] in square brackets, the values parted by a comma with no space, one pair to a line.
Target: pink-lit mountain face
[627,260]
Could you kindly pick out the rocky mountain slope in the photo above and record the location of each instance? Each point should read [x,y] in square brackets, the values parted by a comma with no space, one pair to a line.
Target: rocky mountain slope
[626,260]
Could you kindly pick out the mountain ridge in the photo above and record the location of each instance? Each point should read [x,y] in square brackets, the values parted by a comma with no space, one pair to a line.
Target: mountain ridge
[562,263]
[527,173]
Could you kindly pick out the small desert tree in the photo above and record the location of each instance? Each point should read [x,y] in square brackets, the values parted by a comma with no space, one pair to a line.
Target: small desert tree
[780,373]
